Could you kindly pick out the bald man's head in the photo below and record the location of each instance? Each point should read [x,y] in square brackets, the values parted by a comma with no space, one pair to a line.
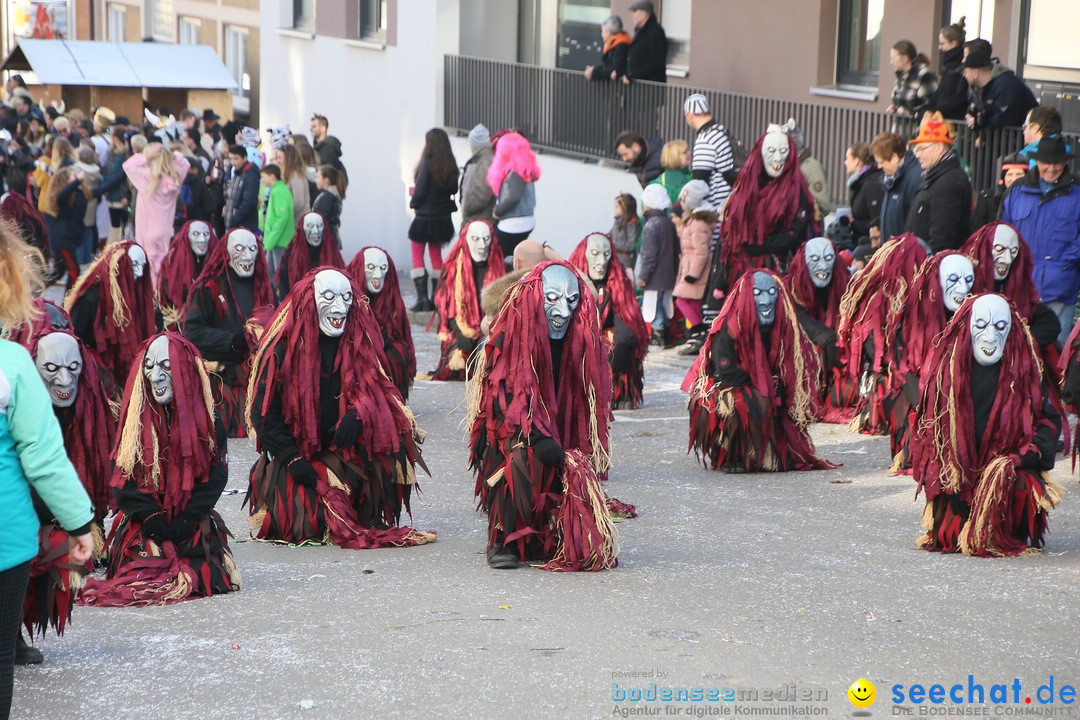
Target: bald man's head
[528,254]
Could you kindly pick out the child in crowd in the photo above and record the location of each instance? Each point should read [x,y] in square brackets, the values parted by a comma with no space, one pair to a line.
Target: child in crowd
[659,262]
[331,186]
[675,159]
[695,238]
[626,230]
[277,222]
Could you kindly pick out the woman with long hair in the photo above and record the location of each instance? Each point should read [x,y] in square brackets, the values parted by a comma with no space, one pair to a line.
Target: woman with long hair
[57,154]
[31,455]
[158,176]
[511,177]
[331,185]
[435,179]
[309,160]
[63,207]
[916,83]
[293,173]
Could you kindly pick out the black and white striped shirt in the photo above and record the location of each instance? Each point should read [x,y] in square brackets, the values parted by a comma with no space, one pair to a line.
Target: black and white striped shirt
[712,157]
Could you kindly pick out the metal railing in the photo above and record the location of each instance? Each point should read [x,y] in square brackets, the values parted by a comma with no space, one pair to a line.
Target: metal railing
[562,112]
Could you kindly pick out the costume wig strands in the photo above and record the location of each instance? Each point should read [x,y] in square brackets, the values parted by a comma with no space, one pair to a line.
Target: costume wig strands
[804,292]
[388,309]
[178,272]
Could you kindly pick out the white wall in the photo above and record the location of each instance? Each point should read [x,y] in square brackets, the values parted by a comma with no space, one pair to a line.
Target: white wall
[381,102]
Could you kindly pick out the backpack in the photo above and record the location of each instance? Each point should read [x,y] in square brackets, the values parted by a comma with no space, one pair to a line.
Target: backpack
[739,155]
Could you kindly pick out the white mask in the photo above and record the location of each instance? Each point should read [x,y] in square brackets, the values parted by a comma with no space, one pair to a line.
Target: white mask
[597,256]
[157,369]
[957,277]
[138,260]
[376,266]
[313,229]
[478,236]
[243,249]
[333,298]
[59,363]
[199,237]
[561,299]
[1006,249]
[820,260]
[991,321]
[774,151]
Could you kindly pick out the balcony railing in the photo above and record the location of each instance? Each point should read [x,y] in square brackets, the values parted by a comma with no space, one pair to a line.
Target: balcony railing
[562,112]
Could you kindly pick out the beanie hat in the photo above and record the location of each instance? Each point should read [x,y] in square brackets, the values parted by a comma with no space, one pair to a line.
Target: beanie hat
[655,197]
[697,104]
[693,194]
[279,136]
[479,137]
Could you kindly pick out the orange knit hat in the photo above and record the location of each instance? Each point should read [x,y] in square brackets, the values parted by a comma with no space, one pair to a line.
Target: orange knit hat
[935,129]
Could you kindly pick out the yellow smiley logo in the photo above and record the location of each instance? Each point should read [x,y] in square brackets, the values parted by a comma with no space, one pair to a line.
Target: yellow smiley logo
[862,693]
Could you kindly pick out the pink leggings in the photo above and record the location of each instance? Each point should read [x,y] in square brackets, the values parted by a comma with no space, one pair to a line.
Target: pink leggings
[434,252]
[691,310]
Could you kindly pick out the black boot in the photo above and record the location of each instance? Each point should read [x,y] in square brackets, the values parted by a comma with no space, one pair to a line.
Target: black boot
[25,654]
[694,340]
[500,558]
[420,280]
[435,275]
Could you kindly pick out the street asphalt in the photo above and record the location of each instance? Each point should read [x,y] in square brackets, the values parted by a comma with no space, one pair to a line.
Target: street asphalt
[794,584]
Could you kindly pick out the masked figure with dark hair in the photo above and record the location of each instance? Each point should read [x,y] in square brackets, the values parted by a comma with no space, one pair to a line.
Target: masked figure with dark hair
[473,262]
[987,436]
[339,446]
[112,308]
[168,542]
[540,414]
[873,297]
[376,279]
[755,386]
[937,291]
[620,317]
[817,280]
[73,379]
[769,214]
[226,308]
[313,236]
[182,264]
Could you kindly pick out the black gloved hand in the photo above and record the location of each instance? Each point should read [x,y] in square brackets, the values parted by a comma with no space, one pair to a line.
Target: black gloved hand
[301,471]
[238,343]
[832,355]
[182,528]
[348,430]
[156,528]
[690,279]
[549,452]
[1030,460]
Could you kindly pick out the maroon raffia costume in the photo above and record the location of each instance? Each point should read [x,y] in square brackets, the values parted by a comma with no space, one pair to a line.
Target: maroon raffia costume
[167,542]
[457,301]
[88,427]
[112,312]
[339,446]
[766,218]
[540,414]
[300,257]
[388,308]
[179,270]
[754,389]
[820,316]
[873,296]
[984,441]
[28,219]
[224,319]
[621,321]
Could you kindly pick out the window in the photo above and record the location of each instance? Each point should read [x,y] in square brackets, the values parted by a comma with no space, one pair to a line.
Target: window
[858,52]
[978,16]
[189,31]
[676,21]
[373,20]
[304,15]
[116,21]
[236,60]
[162,20]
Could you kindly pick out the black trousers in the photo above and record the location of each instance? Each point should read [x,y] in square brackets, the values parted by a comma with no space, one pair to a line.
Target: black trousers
[12,592]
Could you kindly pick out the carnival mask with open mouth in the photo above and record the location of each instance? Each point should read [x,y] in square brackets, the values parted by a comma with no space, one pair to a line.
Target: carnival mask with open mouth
[478,237]
[598,256]
[314,225]
[59,363]
[774,151]
[199,238]
[991,321]
[765,295]
[333,298]
[243,249]
[376,266]
[157,369]
[820,261]
[561,299]
[138,260]
[1006,248]
[957,277]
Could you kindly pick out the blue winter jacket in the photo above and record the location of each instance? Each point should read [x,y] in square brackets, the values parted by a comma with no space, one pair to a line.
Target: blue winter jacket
[900,192]
[1050,225]
[32,453]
